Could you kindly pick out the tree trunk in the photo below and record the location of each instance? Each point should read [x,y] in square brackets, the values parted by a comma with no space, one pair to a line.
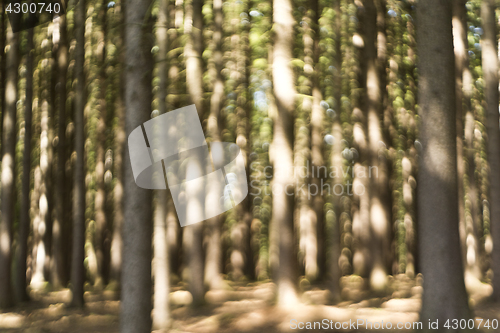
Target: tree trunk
[194,73]
[380,225]
[100,195]
[161,272]
[283,178]
[78,255]
[444,290]
[470,254]
[136,269]
[213,259]
[161,312]
[8,166]
[24,218]
[336,154]
[119,132]
[58,276]
[490,70]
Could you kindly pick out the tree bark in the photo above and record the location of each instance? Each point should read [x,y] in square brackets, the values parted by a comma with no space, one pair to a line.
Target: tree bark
[78,254]
[283,178]
[136,269]
[470,254]
[161,272]
[380,225]
[8,167]
[120,137]
[24,218]
[444,294]
[336,154]
[490,70]
[213,258]
[194,73]
[58,277]
[100,195]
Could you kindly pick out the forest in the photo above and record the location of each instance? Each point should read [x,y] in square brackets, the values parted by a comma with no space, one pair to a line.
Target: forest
[368,136]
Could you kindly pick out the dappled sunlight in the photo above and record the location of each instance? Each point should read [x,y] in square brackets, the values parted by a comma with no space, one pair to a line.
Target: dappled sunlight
[11,320]
[241,308]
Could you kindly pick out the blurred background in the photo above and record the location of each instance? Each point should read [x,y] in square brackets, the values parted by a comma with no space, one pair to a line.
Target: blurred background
[320,96]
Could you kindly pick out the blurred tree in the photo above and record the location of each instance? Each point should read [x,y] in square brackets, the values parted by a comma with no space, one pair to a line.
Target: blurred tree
[78,247]
[337,161]
[213,261]
[58,277]
[470,253]
[116,248]
[282,150]
[490,72]
[24,219]
[374,66]
[193,50]
[161,272]
[100,203]
[8,153]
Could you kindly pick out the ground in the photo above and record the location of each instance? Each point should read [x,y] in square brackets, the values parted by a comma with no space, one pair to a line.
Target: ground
[245,308]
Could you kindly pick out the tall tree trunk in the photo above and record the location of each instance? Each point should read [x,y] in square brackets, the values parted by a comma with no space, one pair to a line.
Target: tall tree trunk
[176,22]
[336,154]
[78,254]
[213,259]
[490,70]
[8,166]
[100,195]
[444,290]
[58,276]
[307,145]
[136,269]
[41,237]
[470,254]
[378,179]
[120,137]
[194,73]
[161,272]
[24,218]
[283,178]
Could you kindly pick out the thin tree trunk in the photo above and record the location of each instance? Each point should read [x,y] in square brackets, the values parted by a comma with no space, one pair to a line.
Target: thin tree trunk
[8,166]
[41,233]
[213,259]
[378,189]
[24,219]
[58,276]
[283,200]
[161,272]
[444,294]
[100,195]
[470,254]
[194,74]
[336,154]
[308,142]
[119,131]
[78,254]
[173,228]
[490,70]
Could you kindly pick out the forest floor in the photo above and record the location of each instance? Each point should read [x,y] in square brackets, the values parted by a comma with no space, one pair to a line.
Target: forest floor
[246,308]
